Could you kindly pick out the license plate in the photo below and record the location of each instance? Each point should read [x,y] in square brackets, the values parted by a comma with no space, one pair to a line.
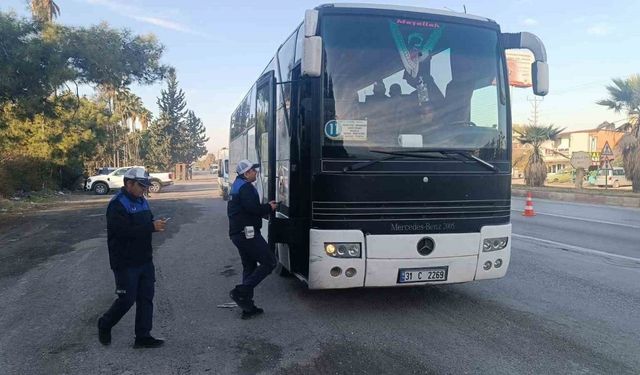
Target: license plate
[421,275]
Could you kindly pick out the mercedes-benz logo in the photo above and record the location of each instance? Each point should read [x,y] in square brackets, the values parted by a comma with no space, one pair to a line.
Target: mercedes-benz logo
[426,246]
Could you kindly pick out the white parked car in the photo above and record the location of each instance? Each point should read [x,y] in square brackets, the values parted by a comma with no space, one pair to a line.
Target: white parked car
[612,177]
[102,184]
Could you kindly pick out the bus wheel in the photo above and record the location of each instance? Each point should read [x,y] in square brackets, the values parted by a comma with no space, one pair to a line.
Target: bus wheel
[280,270]
[616,184]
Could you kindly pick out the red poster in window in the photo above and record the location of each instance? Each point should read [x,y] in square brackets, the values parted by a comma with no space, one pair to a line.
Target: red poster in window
[519,66]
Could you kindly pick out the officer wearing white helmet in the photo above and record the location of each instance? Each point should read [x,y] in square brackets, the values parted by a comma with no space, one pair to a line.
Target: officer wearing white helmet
[245,220]
[130,224]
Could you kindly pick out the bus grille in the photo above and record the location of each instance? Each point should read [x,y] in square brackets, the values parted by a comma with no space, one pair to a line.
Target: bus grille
[432,210]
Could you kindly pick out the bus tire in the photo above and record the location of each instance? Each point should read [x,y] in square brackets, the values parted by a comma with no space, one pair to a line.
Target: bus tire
[616,184]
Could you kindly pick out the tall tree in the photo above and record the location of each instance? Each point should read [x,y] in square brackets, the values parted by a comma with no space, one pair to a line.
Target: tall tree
[157,145]
[46,148]
[166,146]
[145,118]
[536,171]
[35,62]
[39,67]
[116,58]
[31,67]
[195,138]
[624,96]
[130,107]
[44,10]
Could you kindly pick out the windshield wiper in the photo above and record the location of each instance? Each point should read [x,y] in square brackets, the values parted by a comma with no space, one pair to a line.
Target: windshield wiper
[470,156]
[420,153]
[393,155]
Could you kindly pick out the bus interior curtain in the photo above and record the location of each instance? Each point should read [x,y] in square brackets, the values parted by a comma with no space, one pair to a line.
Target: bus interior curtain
[282,94]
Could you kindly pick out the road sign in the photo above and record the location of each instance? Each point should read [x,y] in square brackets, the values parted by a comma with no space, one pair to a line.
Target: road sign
[607,152]
[580,159]
[606,165]
[595,156]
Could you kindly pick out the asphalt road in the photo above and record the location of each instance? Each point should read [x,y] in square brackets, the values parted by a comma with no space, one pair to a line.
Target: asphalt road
[569,304]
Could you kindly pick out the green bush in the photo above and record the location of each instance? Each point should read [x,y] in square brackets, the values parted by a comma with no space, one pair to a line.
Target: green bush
[31,174]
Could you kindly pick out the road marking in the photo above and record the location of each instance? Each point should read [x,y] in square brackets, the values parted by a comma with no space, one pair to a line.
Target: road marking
[577,249]
[583,219]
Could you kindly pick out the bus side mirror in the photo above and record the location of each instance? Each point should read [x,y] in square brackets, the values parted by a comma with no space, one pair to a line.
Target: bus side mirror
[310,23]
[539,68]
[540,78]
[312,57]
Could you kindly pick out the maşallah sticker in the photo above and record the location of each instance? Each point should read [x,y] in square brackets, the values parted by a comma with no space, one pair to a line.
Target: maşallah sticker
[346,130]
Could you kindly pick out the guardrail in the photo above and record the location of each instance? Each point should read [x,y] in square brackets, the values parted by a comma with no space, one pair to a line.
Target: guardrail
[613,198]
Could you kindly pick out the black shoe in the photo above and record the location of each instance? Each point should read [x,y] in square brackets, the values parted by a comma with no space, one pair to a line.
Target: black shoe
[147,342]
[104,335]
[240,295]
[248,314]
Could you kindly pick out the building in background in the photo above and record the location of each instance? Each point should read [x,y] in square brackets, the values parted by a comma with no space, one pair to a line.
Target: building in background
[557,154]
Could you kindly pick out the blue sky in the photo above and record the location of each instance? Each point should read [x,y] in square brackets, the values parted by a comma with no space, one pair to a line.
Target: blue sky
[219,47]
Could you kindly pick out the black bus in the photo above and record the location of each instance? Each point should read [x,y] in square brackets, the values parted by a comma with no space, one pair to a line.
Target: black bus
[385,133]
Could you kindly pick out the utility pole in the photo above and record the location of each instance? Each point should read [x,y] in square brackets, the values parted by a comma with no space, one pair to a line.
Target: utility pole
[534,120]
[535,112]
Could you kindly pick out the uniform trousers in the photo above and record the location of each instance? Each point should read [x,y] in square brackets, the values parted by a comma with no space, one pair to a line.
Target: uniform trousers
[257,259]
[133,285]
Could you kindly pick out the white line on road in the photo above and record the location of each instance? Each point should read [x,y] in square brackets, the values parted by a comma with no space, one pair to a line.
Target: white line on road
[577,249]
[583,219]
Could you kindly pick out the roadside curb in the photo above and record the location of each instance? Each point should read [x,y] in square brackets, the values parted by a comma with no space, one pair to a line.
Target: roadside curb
[620,199]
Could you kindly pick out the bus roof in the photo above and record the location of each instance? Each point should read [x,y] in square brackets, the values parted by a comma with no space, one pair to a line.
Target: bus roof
[406,9]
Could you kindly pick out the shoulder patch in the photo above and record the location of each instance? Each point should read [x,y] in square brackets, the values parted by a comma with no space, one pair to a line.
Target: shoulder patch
[132,207]
[237,184]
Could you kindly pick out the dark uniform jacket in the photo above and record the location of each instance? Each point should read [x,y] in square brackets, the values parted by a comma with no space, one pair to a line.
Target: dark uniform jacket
[129,228]
[244,208]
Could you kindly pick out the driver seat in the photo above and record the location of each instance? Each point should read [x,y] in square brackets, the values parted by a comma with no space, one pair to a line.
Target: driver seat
[457,102]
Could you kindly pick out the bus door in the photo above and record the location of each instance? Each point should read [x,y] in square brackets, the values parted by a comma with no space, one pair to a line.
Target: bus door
[265,139]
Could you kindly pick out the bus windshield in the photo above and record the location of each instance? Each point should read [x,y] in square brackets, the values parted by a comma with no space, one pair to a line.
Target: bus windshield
[395,82]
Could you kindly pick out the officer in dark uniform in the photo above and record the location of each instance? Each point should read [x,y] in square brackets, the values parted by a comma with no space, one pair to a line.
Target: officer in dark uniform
[130,224]
[245,220]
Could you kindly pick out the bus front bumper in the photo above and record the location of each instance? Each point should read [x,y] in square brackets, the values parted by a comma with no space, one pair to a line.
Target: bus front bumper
[393,260]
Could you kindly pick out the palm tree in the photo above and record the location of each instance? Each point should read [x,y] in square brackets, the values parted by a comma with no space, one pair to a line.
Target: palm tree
[128,109]
[145,117]
[107,93]
[132,110]
[624,95]
[536,171]
[135,107]
[44,10]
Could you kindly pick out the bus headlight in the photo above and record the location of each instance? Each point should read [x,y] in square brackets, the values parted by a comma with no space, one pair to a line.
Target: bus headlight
[493,244]
[343,250]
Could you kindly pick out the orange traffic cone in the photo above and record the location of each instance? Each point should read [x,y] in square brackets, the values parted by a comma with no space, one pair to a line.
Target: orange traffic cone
[528,208]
